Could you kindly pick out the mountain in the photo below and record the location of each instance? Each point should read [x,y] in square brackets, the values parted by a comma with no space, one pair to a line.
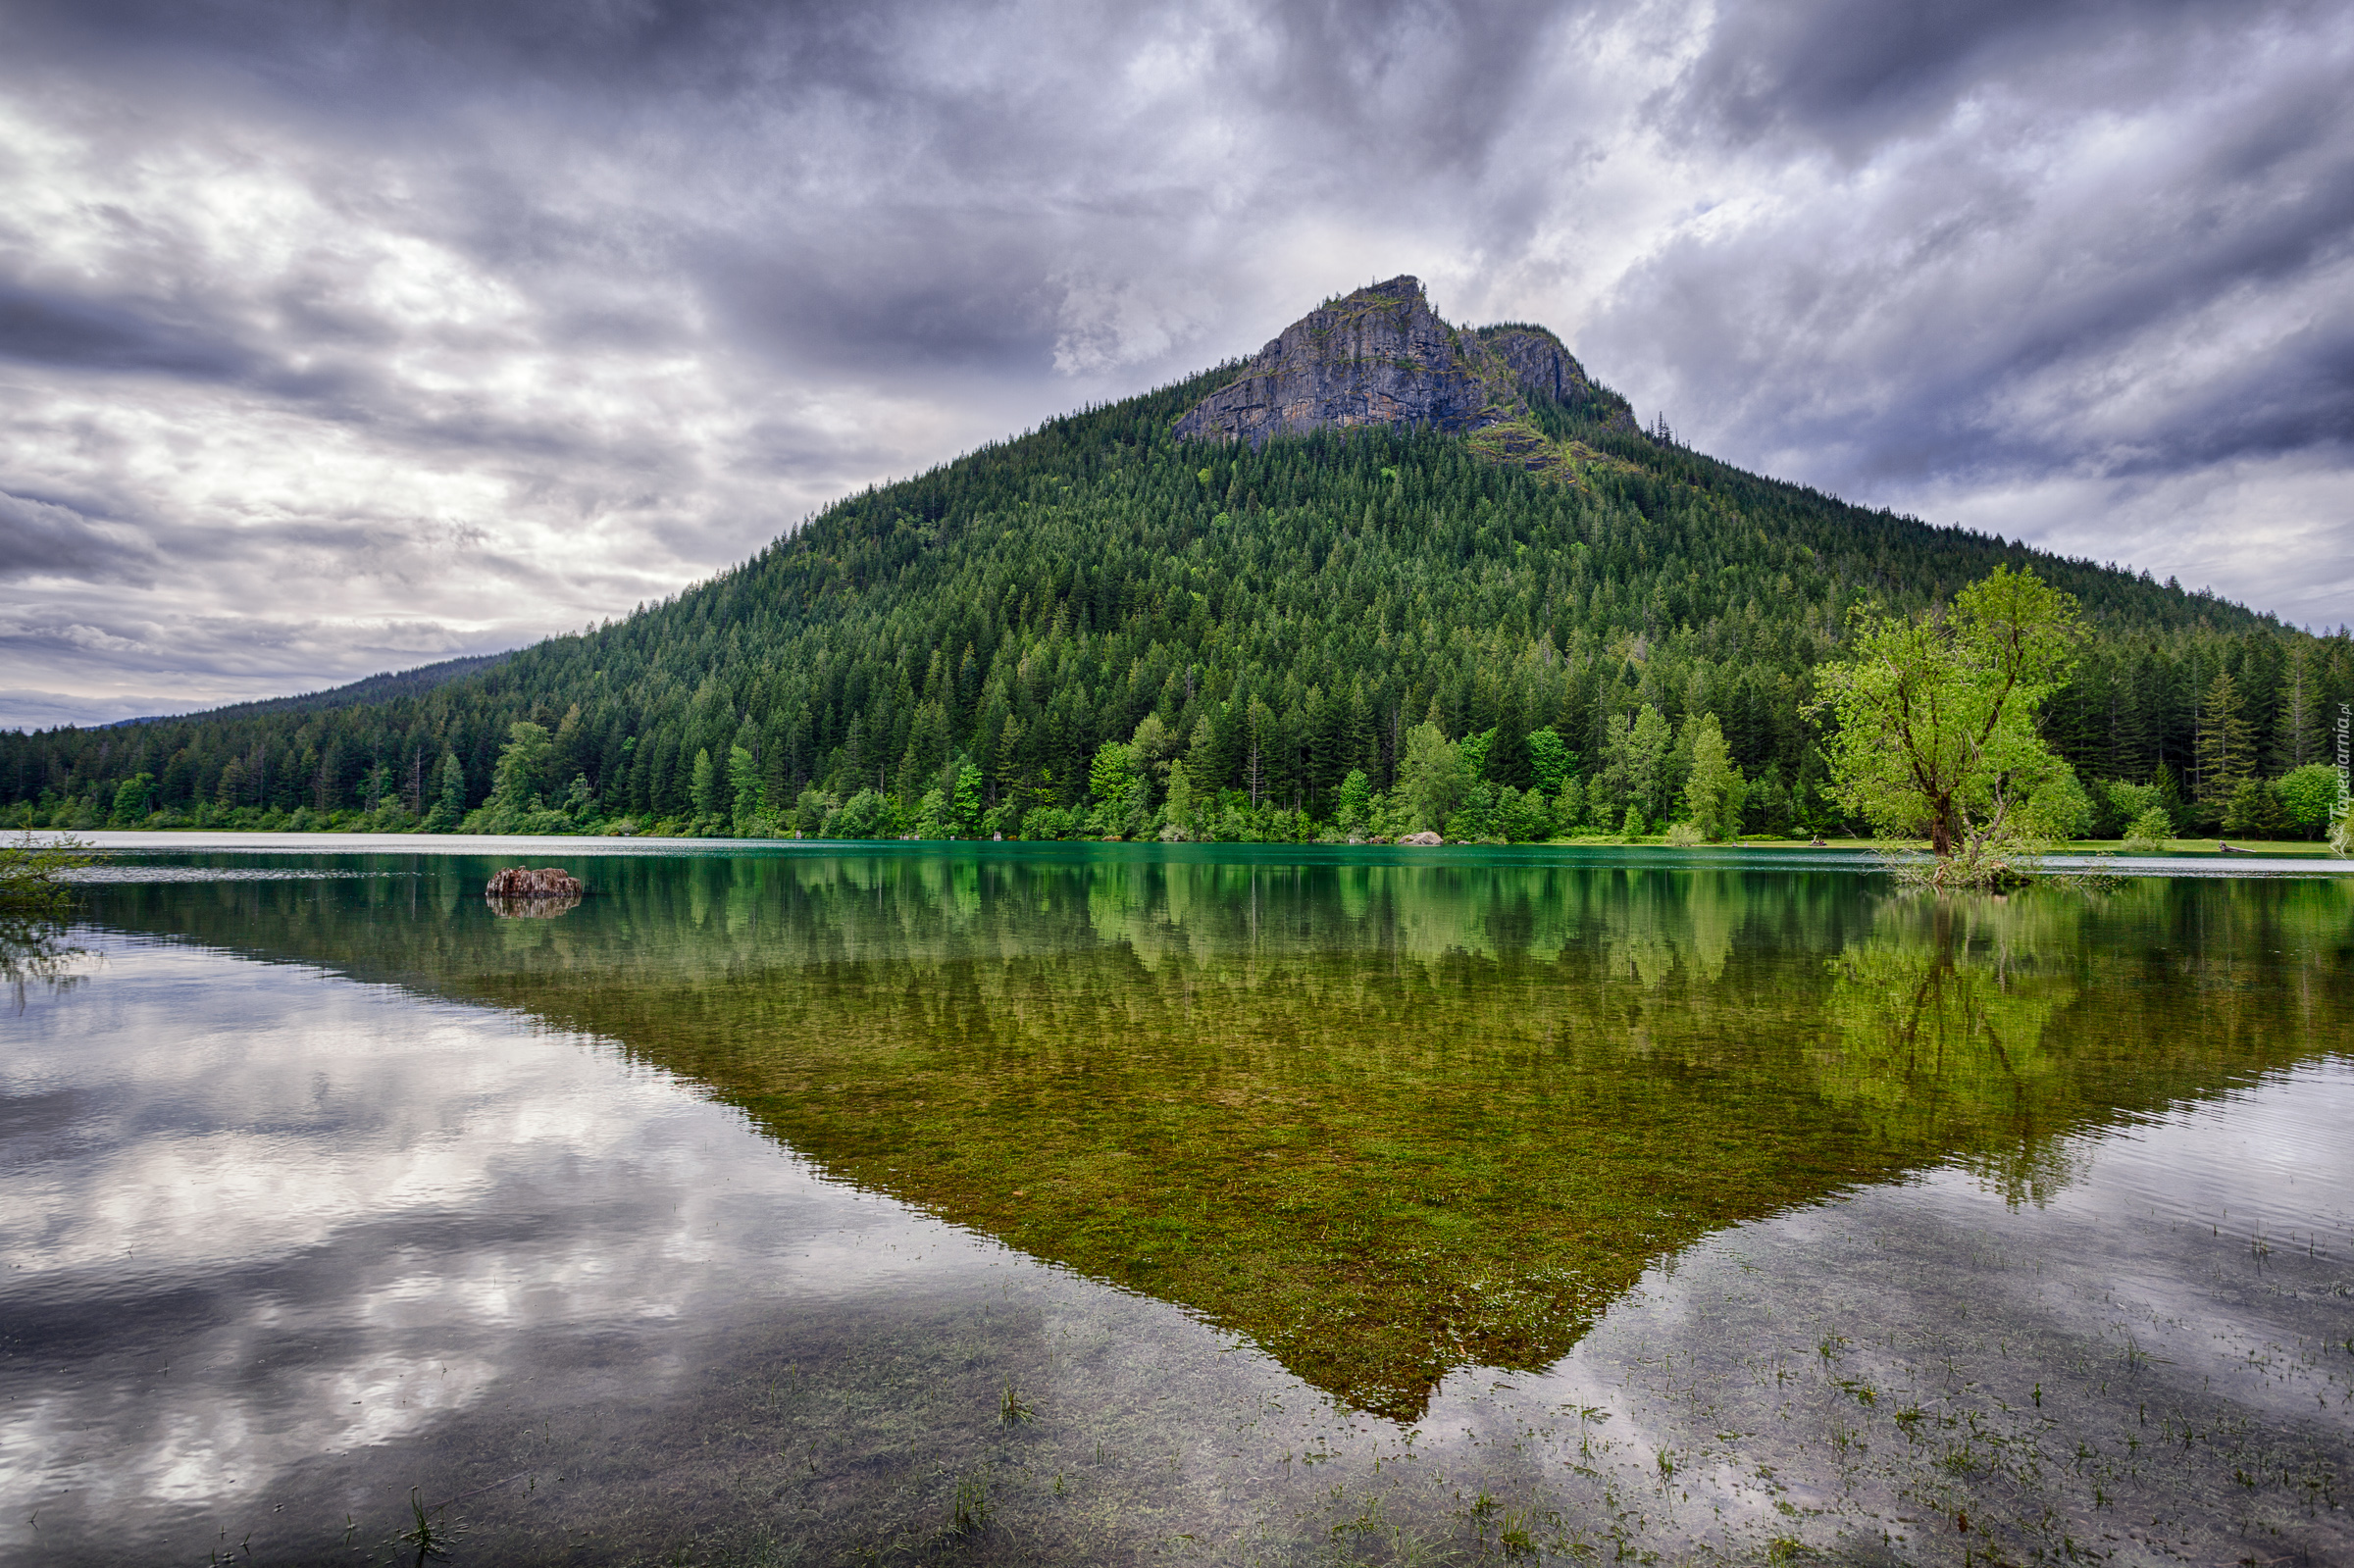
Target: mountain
[1268,577]
[374,688]
[1382,357]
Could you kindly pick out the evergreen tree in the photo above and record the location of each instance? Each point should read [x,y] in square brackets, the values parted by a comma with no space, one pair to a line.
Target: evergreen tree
[515,782]
[449,804]
[1286,615]
[2225,750]
[703,788]
[1713,790]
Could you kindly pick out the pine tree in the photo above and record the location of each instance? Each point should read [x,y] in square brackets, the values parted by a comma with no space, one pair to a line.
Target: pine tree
[2297,732]
[2225,755]
[1714,791]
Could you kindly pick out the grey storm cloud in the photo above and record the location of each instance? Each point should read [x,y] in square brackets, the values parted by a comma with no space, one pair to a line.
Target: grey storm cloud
[338,335]
[39,540]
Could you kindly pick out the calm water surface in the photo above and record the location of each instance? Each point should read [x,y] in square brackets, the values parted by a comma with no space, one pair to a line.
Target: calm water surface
[1062,1204]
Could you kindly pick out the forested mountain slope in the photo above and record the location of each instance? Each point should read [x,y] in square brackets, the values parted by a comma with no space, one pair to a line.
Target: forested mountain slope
[380,687]
[1271,617]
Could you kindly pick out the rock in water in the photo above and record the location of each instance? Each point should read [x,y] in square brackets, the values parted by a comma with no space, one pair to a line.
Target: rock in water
[1422,841]
[521,882]
[1381,356]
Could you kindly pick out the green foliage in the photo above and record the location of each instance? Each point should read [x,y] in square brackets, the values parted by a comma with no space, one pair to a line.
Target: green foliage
[1551,762]
[580,801]
[1432,779]
[1473,751]
[2149,832]
[2256,811]
[32,872]
[1275,619]
[746,793]
[932,819]
[1569,805]
[2308,795]
[1179,810]
[810,811]
[1936,714]
[1713,790]
[2058,808]
[2225,744]
[515,785]
[131,801]
[1115,781]
[1353,808]
[2135,803]
[449,806]
[1636,756]
[968,805]
[868,814]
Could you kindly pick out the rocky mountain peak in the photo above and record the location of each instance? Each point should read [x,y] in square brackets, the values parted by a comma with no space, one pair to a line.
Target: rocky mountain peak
[1382,356]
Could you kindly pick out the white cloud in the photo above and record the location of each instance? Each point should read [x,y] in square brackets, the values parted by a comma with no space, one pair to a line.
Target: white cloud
[317,350]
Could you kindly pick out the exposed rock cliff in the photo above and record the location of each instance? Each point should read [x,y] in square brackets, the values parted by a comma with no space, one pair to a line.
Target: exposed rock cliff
[1381,356]
[1537,361]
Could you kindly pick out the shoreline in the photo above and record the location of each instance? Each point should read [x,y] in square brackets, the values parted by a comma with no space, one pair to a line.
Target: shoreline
[2197,857]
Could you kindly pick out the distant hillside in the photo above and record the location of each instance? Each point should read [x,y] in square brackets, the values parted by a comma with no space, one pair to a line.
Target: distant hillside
[374,688]
[1271,574]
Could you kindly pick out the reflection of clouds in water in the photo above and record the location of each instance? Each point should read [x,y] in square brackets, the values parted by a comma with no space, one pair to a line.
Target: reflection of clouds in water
[2076,1325]
[335,1214]
[346,1219]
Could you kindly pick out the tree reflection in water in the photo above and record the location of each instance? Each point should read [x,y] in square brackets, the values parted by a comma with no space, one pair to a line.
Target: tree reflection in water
[1384,1120]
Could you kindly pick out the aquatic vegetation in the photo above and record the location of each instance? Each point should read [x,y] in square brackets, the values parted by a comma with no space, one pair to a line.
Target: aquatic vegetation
[1384,1121]
[33,867]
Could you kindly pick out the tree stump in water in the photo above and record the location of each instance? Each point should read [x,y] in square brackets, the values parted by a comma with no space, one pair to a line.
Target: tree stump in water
[531,894]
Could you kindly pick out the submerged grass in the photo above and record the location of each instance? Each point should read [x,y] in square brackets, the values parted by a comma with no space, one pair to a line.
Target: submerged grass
[1384,1121]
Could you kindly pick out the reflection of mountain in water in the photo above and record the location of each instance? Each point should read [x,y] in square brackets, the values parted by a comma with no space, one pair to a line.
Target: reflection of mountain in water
[1384,1120]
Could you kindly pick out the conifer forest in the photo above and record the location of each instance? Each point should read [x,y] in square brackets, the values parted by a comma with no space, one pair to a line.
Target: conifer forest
[1096,629]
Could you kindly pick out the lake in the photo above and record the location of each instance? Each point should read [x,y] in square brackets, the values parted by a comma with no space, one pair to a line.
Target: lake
[1054,1202]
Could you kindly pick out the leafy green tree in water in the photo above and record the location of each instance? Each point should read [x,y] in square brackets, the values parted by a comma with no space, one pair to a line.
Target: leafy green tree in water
[1713,790]
[31,873]
[1936,715]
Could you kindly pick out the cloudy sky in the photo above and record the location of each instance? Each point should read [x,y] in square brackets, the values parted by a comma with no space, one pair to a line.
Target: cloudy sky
[338,338]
